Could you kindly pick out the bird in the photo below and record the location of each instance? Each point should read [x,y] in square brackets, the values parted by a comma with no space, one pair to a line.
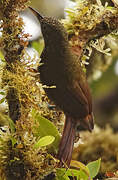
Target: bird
[71,93]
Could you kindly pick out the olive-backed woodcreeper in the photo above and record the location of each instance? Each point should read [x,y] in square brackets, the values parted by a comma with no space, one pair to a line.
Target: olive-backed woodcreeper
[61,68]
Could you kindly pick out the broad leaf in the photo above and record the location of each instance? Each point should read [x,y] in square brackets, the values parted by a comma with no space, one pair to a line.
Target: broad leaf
[79,165]
[45,128]
[94,167]
[63,173]
[44,141]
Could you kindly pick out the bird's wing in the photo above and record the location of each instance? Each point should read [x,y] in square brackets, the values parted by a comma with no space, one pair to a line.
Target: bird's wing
[86,91]
[77,92]
[80,91]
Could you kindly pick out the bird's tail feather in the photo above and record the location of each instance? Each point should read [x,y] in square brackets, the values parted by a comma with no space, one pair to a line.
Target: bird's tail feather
[88,122]
[67,142]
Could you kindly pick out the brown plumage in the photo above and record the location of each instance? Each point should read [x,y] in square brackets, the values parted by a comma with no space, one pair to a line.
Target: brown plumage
[62,69]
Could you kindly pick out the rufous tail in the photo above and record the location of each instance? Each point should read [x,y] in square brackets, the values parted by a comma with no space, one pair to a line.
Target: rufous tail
[67,142]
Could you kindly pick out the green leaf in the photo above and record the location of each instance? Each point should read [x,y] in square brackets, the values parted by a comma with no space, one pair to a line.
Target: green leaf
[38,46]
[61,174]
[82,175]
[2,93]
[83,172]
[2,100]
[94,167]
[64,174]
[12,125]
[45,128]
[13,140]
[44,141]
[2,57]
[79,165]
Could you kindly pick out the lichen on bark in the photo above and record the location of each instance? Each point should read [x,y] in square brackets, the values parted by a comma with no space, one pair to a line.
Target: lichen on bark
[18,158]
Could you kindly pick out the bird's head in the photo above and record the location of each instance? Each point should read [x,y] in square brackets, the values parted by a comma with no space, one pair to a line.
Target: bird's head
[51,28]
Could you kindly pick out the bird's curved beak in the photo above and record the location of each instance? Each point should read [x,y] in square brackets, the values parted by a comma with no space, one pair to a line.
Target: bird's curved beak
[36,13]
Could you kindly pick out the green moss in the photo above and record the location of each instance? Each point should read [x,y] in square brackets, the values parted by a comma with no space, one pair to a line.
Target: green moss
[86,39]
[102,144]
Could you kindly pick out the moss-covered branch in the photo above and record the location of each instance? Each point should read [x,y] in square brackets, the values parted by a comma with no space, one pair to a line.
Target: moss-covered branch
[88,25]
[12,45]
[19,159]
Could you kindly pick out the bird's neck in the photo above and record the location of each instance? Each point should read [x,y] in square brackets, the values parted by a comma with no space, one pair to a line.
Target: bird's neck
[55,48]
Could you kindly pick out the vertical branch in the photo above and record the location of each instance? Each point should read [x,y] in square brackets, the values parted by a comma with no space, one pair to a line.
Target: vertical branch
[14,104]
[13,47]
